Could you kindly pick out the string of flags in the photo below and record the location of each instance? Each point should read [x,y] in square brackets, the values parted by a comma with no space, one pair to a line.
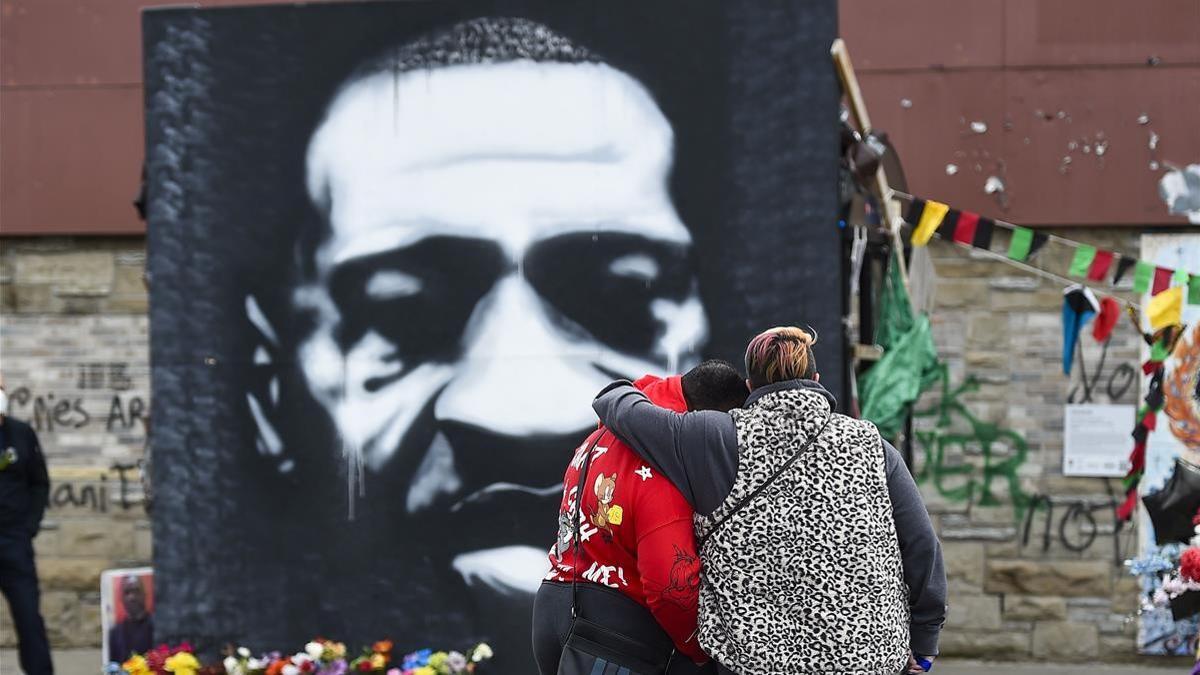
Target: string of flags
[929,217]
[1168,289]
[1162,342]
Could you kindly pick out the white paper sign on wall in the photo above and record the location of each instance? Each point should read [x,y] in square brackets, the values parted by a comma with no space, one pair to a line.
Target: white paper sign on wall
[1096,440]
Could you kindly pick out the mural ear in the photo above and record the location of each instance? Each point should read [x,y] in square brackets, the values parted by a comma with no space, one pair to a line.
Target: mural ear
[262,387]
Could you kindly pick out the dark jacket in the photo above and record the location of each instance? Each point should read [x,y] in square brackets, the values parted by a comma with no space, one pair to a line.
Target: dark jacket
[698,451]
[24,483]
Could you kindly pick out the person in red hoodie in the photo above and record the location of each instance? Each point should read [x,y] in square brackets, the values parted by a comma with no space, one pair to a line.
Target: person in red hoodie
[637,572]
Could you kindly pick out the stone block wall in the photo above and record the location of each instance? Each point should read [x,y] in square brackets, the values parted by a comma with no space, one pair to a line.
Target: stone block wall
[74,351]
[1034,558]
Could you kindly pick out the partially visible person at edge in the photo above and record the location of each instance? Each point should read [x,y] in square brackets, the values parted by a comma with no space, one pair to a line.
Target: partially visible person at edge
[24,489]
[637,571]
[833,566]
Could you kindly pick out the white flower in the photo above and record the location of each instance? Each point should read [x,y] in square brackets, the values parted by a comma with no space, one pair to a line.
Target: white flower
[300,659]
[232,667]
[456,661]
[314,650]
[255,664]
[289,669]
[481,653]
[243,652]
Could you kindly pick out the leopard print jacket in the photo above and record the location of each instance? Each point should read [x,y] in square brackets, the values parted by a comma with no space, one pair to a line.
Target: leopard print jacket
[807,578]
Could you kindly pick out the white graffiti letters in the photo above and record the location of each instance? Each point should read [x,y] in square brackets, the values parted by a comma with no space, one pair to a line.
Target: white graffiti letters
[601,574]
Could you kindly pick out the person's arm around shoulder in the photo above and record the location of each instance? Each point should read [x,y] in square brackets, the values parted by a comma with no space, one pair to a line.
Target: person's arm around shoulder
[668,563]
[697,451]
[921,552]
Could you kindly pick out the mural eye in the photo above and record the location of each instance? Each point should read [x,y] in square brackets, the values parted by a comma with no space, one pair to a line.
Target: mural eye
[387,285]
[608,283]
[418,298]
[637,266]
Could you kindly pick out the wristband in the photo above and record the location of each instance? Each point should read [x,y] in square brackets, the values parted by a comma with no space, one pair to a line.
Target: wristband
[926,664]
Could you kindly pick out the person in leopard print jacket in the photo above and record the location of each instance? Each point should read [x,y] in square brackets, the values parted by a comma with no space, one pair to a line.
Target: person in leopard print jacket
[818,553]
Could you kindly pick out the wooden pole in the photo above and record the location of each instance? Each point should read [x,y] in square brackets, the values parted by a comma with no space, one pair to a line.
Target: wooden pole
[858,114]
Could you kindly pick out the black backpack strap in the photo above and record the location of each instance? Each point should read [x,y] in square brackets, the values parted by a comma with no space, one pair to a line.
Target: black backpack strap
[765,484]
[583,472]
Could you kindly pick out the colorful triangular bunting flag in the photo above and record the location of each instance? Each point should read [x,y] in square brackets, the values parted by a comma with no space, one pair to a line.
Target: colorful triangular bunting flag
[1162,280]
[983,233]
[1084,255]
[1100,264]
[931,217]
[964,232]
[1018,246]
[1124,264]
[1039,240]
[1143,275]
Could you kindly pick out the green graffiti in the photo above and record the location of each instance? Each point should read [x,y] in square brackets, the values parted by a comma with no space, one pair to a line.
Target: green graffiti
[959,433]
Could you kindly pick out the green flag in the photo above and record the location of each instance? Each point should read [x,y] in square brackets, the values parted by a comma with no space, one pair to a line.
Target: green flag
[1180,278]
[1084,255]
[895,316]
[895,382]
[909,364]
[1018,246]
[1194,290]
[1143,274]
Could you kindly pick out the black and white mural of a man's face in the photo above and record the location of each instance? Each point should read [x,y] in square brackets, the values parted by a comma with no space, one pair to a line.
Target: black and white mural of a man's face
[499,243]
[396,247]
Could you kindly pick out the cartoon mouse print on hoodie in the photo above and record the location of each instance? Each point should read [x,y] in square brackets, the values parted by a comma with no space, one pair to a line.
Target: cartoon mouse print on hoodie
[606,513]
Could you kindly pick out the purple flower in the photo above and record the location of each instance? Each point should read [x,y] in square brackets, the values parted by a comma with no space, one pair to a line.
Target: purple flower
[337,667]
[417,659]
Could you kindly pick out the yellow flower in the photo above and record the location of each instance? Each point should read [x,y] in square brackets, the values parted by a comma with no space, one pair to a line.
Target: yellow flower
[378,661]
[339,649]
[424,670]
[437,661]
[182,663]
[136,665]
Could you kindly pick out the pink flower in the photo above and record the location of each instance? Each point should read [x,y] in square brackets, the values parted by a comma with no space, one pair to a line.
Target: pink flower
[1189,564]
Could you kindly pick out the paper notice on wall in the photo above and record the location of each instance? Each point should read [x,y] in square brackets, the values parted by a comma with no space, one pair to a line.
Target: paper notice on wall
[1096,440]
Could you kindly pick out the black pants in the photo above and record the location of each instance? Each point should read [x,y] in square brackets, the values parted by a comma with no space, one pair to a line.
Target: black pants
[607,607]
[19,584]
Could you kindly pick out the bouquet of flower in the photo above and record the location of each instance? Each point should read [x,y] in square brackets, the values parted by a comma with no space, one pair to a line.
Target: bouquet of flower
[1170,571]
[164,659]
[319,657]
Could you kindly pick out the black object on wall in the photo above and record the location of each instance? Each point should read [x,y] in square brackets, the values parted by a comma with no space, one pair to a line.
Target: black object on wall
[396,247]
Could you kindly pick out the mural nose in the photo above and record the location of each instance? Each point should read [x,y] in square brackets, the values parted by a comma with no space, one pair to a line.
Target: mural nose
[522,373]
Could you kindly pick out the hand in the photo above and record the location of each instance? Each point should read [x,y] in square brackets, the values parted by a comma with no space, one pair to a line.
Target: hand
[915,668]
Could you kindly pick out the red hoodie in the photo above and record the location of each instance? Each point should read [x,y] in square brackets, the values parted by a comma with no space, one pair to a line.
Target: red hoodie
[636,528]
